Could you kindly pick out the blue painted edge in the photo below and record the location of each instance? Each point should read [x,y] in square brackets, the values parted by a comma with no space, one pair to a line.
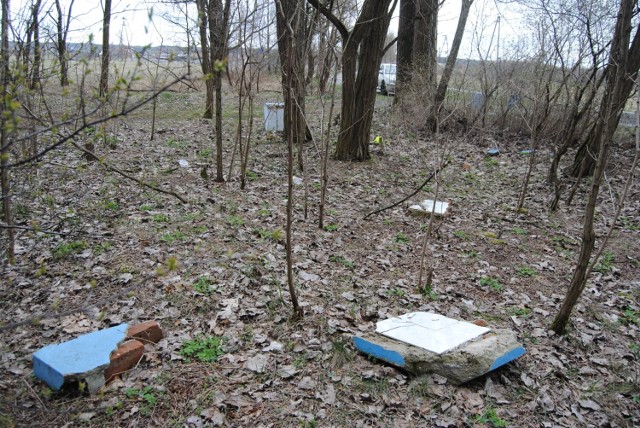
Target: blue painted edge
[378,351]
[508,357]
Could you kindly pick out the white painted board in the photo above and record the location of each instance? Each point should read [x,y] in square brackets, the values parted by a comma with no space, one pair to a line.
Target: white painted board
[427,205]
[427,330]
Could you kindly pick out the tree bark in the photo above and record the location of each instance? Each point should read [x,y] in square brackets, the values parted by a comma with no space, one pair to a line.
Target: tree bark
[207,69]
[622,70]
[37,51]
[584,162]
[63,31]
[4,141]
[291,44]
[406,31]
[104,69]
[363,48]
[441,91]
[425,48]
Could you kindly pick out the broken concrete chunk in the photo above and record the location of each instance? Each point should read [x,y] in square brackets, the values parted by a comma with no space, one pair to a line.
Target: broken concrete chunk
[82,359]
[459,363]
[425,207]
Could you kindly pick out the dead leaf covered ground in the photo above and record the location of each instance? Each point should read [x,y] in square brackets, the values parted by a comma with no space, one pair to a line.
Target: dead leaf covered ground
[215,268]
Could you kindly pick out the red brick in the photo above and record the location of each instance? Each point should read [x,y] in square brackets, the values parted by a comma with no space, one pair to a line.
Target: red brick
[146,332]
[125,357]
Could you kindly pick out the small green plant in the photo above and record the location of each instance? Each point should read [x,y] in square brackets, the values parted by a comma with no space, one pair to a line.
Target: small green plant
[342,260]
[160,218]
[177,144]
[101,247]
[461,234]
[628,223]
[145,207]
[470,178]
[491,162]
[204,285]
[251,175]
[526,272]
[401,238]
[170,238]
[64,249]
[490,417]
[472,254]
[605,263]
[517,311]
[331,227]
[147,394]
[518,231]
[428,293]
[310,423]
[630,316]
[203,349]
[396,292]
[235,220]
[494,284]
[111,205]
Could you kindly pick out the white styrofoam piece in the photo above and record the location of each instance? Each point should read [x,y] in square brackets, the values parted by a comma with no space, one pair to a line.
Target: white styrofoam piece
[433,332]
[427,205]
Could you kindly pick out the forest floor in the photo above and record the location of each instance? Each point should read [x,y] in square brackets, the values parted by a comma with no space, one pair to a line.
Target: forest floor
[215,268]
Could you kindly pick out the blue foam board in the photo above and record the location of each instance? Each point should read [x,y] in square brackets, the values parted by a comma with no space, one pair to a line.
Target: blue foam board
[378,351]
[85,354]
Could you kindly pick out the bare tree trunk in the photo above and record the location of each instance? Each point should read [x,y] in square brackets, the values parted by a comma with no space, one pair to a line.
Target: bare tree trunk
[425,48]
[37,51]
[441,92]
[207,67]
[104,69]
[362,53]
[63,30]
[621,73]
[218,15]
[291,50]
[406,31]
[4,141]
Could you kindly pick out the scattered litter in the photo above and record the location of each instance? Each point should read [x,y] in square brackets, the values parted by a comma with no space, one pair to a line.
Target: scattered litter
[183,163]
[425,207]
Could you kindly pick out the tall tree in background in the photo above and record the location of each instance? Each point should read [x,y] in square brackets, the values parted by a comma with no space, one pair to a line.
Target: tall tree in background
[363,48]
[104,68]
[213,26]
[406,31]
[62,27]
[441,91]
[37,50]
[4,129]
[290,20]
[425,48]
[621,72]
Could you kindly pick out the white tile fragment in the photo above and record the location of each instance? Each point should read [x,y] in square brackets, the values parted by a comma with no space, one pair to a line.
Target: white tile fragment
[430,331]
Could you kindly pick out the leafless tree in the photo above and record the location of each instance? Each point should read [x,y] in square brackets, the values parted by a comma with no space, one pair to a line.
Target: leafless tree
[104,68]
[363,47]
[621,71]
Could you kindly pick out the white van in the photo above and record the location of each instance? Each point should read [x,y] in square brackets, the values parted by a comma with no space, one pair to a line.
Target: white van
[387,79]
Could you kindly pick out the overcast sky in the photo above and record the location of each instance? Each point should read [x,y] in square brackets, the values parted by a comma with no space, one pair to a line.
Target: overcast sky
[142,23]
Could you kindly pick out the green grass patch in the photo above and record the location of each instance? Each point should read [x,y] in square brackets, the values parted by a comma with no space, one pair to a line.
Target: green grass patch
[461,234]
[526,272]
[518,231]
[331,227]
[494,284]
[401,238]
[65,249]
[235,220]
[490,418]
[172,237]
[342,260]
[605,264]
[203,349]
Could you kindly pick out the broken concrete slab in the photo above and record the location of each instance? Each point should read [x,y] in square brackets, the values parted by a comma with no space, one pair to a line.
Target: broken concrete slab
[425,207]
[82,359]
[460,364]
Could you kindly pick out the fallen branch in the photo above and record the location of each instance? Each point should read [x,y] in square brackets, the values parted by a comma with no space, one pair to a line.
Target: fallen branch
[429,178]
